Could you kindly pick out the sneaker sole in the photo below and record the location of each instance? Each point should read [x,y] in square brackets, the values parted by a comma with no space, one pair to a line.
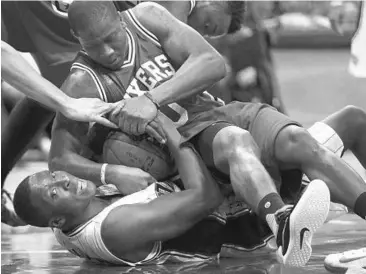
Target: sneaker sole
[310,213]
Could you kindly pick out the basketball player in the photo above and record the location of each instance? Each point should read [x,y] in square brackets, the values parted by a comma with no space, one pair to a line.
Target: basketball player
[294,147]
[357,67]
[46,32]
[159,224]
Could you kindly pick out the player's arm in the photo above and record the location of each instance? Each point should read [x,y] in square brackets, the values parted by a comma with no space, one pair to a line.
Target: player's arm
[200,64]
[180,9]
[130,228]
[17,72]
[69,141]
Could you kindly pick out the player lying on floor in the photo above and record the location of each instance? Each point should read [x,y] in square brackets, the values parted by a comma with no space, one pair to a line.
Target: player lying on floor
[156,225]
[284,148]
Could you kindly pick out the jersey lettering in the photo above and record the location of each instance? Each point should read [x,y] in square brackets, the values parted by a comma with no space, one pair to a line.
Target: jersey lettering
[163,62]
[151,74]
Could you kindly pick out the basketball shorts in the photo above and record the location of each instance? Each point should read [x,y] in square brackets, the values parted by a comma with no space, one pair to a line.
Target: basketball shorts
[261,120]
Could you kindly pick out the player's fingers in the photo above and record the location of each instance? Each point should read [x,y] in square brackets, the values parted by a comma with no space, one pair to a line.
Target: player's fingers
[104,121]
[153,133]
[157,126]
[116,112]
[141,126]
[121,123]
[134,128]
[125,126]
[107,108]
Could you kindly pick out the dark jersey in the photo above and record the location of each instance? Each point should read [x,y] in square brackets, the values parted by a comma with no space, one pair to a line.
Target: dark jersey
[146,67]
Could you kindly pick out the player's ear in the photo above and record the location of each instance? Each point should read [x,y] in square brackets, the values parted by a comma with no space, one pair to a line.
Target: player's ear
[57,222]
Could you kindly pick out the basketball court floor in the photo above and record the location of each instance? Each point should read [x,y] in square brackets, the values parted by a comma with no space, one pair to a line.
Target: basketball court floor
[314,84]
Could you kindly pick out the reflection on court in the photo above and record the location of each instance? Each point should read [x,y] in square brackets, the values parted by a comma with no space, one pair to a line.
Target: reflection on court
[36,251]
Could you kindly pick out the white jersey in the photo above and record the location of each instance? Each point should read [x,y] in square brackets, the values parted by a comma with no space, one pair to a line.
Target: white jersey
[357,66]
[86,240]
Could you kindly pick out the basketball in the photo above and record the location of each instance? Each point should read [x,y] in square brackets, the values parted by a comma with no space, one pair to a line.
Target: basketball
[150,156]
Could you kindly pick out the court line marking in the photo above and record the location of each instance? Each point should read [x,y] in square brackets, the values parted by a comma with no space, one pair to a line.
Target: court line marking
[34,251]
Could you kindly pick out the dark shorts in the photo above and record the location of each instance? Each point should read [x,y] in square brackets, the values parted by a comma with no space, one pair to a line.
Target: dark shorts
[262,121]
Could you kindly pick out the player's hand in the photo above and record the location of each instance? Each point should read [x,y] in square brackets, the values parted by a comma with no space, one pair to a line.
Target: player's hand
[136,116]
[89,110]
[128,180]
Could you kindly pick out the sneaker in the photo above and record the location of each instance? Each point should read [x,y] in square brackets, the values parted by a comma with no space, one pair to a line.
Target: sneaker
[341,262]
[8,216]
[297,225]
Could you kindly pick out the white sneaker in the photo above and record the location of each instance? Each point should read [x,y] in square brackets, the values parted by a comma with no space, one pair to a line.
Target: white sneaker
[340,262]
[297,225]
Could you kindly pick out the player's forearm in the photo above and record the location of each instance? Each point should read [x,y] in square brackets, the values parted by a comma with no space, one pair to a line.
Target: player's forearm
[17,72]
[196,75]
[195,175]
[77,166]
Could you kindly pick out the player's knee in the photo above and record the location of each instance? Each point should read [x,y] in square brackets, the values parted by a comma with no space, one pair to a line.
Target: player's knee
[296,144]
[354,117]
[235,141]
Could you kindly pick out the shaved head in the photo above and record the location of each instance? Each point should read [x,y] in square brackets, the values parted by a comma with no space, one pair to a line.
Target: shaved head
[24,205]
[46,195]
[85,15]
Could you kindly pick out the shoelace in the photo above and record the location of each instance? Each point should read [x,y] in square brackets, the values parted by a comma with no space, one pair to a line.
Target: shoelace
[283,213]
[281,219]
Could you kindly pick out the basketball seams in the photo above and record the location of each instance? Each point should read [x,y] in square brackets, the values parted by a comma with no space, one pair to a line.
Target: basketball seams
[137,144]
[120,149]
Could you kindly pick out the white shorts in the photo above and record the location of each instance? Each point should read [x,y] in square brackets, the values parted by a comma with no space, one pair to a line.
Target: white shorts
[326,136]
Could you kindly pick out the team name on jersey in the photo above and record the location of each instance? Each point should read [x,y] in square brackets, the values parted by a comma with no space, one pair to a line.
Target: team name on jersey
[151,74]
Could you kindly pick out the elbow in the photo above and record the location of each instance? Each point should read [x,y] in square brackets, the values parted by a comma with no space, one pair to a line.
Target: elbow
[212,198]
[209,203]
[215,64]
[57,163]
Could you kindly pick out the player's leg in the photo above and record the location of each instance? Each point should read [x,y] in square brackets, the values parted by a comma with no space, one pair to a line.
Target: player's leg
[294,145]
[27,120]
[232,151]
[341,131]
[350,125]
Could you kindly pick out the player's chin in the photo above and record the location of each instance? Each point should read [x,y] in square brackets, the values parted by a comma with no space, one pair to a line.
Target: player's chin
[90,190]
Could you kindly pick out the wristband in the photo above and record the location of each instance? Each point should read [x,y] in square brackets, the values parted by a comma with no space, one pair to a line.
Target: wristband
[149,96]
[102,174]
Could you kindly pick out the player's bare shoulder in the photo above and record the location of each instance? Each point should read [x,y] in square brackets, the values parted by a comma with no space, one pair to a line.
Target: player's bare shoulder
[154,17]
[79,84]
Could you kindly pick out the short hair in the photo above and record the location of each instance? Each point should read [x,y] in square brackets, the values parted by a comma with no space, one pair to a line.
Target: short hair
[82,13]
[24,207]
[237,10]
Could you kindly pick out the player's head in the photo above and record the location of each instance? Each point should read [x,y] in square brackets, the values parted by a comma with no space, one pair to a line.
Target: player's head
[100,31]
[52,199]
[216,18]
